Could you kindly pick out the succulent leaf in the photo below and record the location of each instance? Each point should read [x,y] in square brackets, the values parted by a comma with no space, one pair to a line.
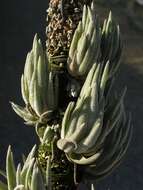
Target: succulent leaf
[10,170]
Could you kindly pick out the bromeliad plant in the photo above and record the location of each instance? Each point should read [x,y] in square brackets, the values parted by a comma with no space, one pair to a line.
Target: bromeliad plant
[70,97]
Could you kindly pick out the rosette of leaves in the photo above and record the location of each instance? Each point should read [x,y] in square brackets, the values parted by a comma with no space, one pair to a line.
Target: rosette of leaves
[27,176]
[39,88]
[91,43]
[94,134]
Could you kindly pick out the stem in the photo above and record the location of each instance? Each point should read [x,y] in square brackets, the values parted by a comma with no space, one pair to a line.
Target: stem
[75,173]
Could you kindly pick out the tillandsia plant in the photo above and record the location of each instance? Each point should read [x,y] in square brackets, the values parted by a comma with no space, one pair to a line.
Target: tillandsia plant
[70,98]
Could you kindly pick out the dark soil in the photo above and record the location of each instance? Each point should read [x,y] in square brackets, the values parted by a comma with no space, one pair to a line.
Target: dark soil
[20,21]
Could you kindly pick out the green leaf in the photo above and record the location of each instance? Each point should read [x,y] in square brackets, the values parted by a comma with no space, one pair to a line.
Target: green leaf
[10,170]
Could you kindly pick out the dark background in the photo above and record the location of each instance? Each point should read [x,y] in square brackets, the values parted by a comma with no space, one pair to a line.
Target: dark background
[19,21]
